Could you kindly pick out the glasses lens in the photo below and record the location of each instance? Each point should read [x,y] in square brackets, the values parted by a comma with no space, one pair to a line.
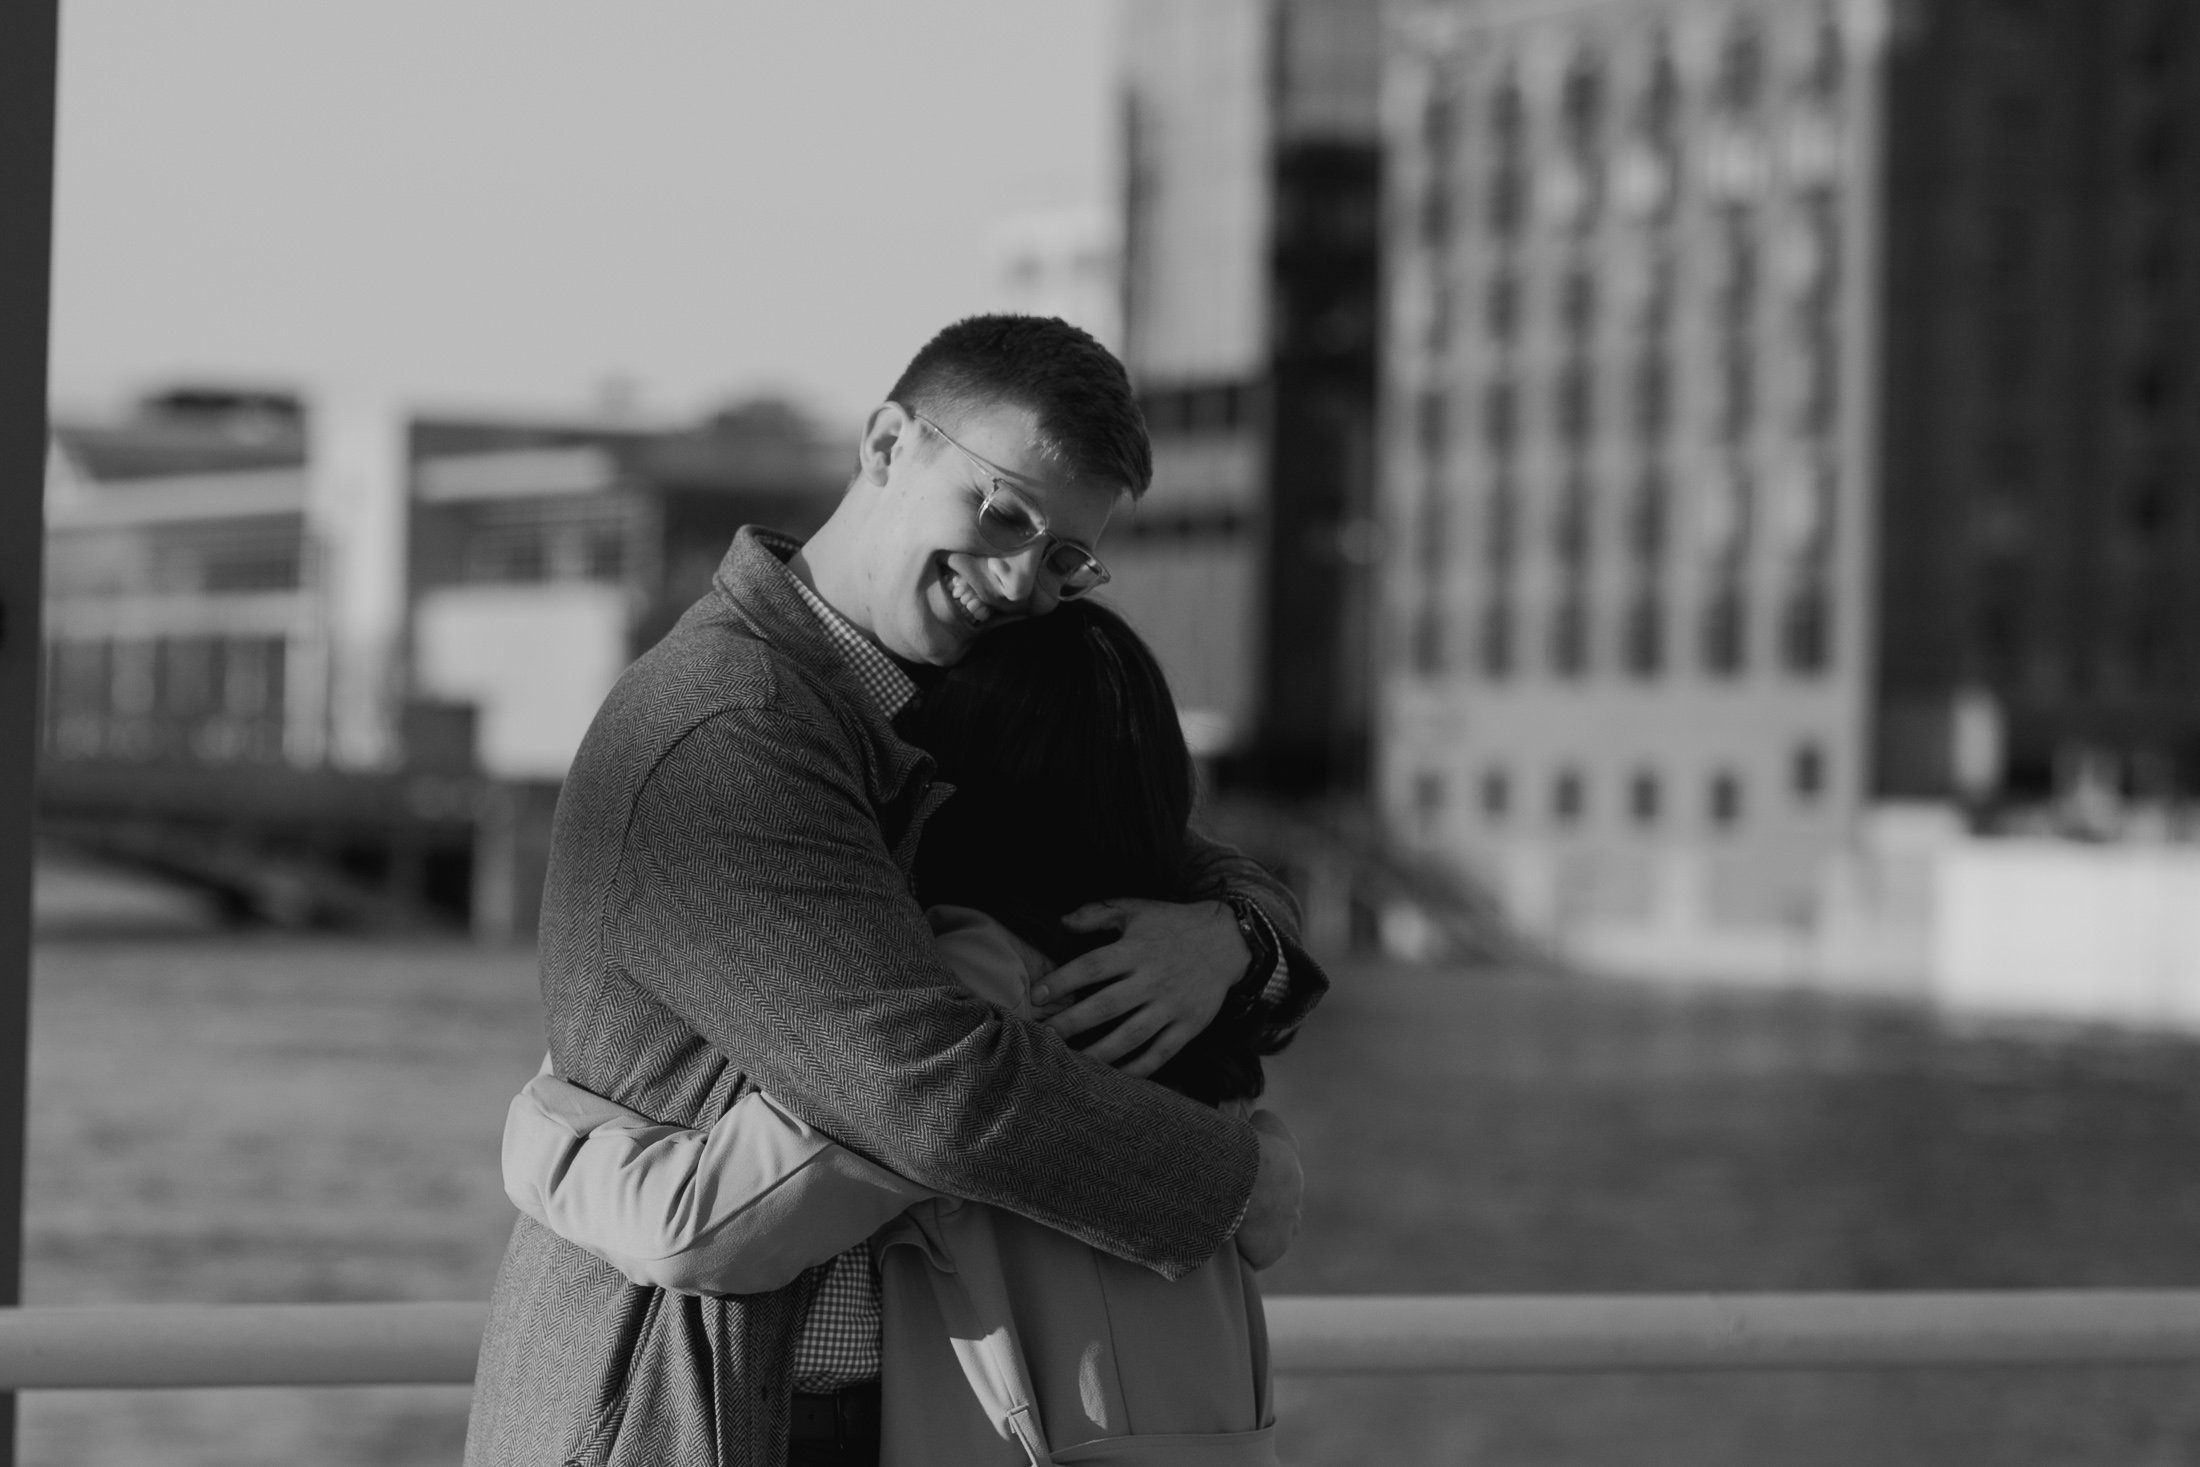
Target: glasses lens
[1075,571]
[1006,521]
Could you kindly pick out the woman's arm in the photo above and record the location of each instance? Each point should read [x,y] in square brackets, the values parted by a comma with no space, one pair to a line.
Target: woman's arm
[744,1206]
[741,1208]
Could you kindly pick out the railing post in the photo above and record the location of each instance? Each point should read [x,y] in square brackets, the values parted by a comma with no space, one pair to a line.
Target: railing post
[28,37]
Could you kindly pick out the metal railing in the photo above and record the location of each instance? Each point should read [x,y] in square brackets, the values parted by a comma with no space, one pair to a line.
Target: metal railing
[169,1346]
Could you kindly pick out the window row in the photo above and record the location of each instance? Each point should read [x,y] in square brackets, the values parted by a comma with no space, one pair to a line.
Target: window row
[1643,797]
[1501,642]
[1729,512]
[1800,255]
[211,698]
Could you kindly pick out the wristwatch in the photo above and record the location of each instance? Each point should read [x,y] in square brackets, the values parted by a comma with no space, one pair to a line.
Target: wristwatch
[1260,941]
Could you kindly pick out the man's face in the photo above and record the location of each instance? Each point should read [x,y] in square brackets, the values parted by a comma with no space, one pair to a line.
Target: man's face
[933,584]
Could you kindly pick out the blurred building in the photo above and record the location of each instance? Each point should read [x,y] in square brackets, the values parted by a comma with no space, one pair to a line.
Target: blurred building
[1789,412]
[179,619]
[332,634]
[545,557]
[1250,157]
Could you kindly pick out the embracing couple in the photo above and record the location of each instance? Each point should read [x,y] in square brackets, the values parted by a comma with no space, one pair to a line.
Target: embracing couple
[903,1035]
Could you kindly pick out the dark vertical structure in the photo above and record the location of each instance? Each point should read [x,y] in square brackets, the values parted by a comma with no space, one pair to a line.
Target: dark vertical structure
[1324,254]
[27,62]
[2040,474]
[1252,198]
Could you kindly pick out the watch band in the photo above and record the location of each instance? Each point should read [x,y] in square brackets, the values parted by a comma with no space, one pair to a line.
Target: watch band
[1260,941]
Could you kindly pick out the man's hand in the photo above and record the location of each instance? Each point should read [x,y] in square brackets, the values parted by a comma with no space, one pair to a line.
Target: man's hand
[1166,977]
[1272,1217]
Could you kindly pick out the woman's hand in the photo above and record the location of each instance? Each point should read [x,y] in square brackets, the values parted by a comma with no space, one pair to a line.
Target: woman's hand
[1279,1190]
[1165,977]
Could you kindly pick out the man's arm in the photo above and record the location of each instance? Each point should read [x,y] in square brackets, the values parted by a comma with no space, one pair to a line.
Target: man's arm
[1176,967]
[756,900]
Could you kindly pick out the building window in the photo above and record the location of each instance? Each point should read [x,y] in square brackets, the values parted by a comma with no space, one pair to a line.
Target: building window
[1738,286]
[1828,59]
[1738,395]
[1495,640]
[1644,639]
[2151,387]
[1433,424]
[1583,106]
[1434,530]
[1428,804]
[1821,395]
[1582,112]
[1438,129]
[1653,397]
[1805,629]
[1808,772]
[1661,94]
[1501,418]
[1501,306]
[1501,527]
[1741,73]
[1425,640]
[1571,523]
[1647,516]
[1496,793]
[1724,631]
[1436,218]
[2149,506]
[1727,511]
[1570,636]
[1577,303]
[1575,394]
[1568,796]
[1726,799]
[1643,796]
[1509,173]
[1658,291]
[1436,332]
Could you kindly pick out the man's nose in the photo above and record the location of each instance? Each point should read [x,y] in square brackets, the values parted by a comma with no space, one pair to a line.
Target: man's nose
[1017,576]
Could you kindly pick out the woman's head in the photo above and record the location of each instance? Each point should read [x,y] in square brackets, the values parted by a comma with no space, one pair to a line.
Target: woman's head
[1072,780]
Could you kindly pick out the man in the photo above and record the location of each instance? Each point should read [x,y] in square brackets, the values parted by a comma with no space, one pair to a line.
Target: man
[728,908]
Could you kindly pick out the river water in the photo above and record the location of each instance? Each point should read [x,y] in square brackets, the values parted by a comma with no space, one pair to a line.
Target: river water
[254,1117]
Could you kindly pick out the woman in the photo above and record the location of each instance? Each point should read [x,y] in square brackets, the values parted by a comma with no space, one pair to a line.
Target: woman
[1003,1340]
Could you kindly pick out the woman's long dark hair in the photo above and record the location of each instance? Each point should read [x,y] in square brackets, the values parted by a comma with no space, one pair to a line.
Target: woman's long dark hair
[1072,785]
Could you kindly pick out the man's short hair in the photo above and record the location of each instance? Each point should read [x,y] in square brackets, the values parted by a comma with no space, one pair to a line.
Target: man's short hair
[1072,384]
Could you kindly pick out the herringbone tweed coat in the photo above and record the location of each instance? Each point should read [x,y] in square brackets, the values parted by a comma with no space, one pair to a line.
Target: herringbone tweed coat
[728,907]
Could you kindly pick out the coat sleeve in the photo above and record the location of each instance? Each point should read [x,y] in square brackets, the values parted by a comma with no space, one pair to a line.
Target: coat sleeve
[1217,869]
[739,1208]
[755,898]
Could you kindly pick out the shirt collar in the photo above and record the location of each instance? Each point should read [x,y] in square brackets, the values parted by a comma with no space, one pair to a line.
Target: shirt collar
[891,690]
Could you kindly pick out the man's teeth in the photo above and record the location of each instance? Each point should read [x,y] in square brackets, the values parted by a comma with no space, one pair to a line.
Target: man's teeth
[968,599]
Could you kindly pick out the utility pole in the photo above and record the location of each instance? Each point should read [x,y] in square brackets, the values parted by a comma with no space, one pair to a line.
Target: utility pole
[28,57]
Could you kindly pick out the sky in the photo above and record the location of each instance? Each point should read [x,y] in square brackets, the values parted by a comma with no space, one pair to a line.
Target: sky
[513,203]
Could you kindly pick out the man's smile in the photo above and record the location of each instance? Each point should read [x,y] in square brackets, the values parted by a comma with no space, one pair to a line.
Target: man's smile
[965,597]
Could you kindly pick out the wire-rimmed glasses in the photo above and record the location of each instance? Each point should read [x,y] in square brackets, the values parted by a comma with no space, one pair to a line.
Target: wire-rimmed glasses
[1008,521]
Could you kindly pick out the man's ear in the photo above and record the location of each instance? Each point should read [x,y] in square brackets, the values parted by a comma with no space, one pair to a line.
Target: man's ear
[883,432]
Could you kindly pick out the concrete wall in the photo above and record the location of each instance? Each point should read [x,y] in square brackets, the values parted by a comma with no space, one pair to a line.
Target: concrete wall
[2069,931]
[535,660]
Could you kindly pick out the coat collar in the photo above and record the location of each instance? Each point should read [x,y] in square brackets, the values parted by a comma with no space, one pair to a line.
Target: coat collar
[756,587]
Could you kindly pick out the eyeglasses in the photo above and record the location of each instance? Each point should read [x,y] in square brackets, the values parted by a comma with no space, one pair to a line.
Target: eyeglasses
[1008,521]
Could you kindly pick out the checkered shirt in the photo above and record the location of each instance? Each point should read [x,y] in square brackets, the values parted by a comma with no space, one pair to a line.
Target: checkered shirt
[839,1345]
[891,689]
[839,1341]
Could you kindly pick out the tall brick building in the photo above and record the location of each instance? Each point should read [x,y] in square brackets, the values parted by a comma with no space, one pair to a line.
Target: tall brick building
[1789,407]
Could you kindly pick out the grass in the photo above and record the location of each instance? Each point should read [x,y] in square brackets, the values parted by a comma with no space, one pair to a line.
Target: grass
[233,1118]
